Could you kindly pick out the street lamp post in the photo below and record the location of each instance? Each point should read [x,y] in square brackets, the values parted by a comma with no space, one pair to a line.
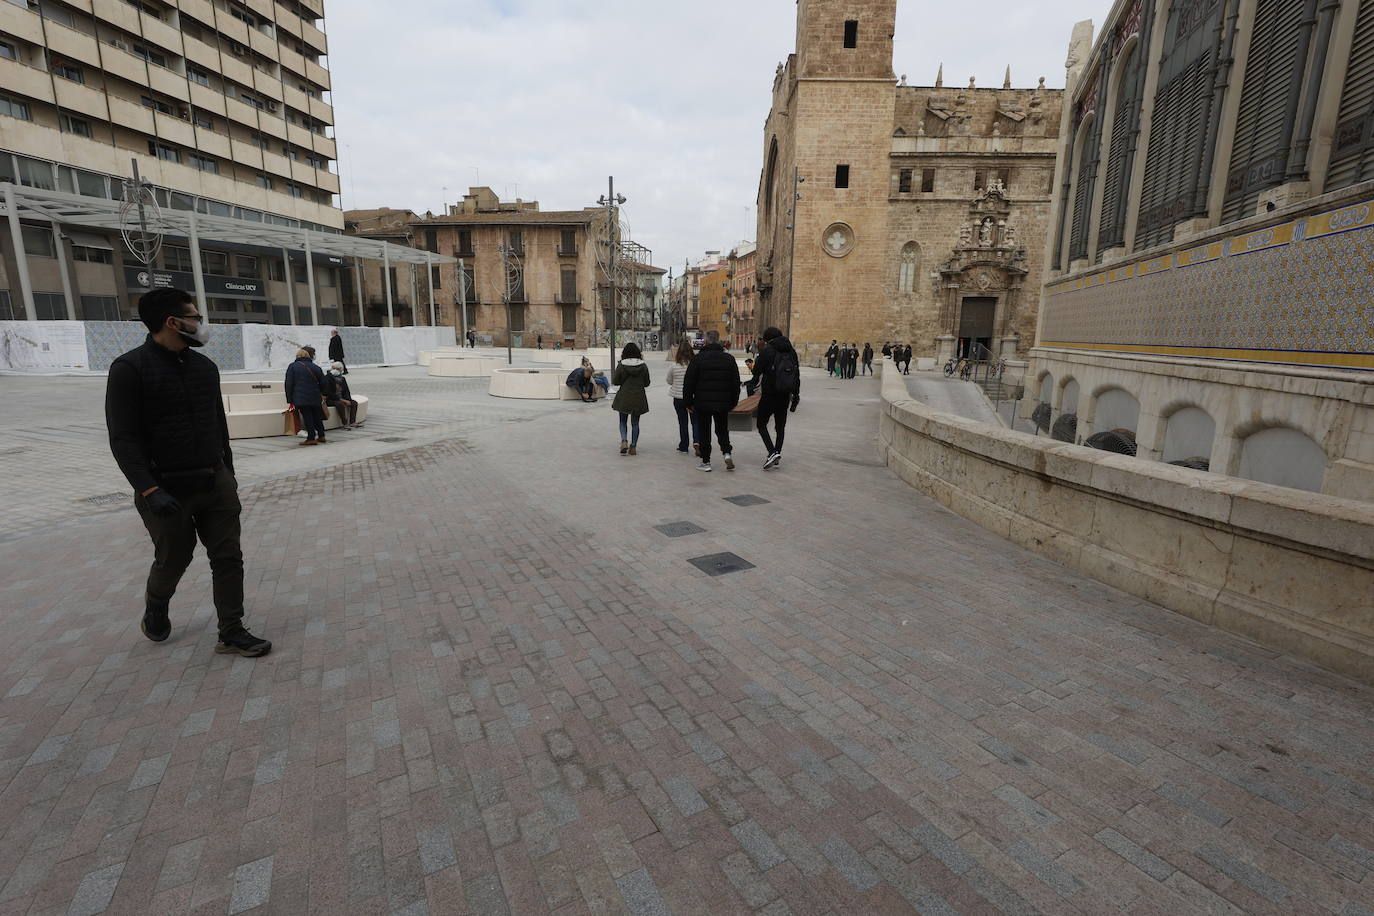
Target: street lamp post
[610,202]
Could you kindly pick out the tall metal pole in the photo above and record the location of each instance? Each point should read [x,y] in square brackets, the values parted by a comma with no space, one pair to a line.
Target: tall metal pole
[310,281]
[611,228]
[197,269]
[290,285]
[429,281]
[792,258]
[463,299]
[386,281]
[505,297]
[21,257]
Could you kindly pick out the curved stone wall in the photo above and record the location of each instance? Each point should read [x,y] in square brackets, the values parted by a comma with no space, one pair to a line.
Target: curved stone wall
[1289,569]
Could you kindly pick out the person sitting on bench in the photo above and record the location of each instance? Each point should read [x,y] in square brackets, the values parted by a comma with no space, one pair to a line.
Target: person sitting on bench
[581,380]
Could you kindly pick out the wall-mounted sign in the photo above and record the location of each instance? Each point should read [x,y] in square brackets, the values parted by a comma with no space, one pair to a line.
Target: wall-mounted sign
[143,279]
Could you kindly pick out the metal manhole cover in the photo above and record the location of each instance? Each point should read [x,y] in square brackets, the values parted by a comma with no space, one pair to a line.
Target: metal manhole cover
[107,499]
[679,529]
[747,500]
[392,439]
[720,564]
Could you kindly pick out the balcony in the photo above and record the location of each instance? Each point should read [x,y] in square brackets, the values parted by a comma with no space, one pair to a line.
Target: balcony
[566,251]
[562,299]
[464,252]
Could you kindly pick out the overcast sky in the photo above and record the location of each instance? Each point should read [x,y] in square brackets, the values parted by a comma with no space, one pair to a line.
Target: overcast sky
[549,97]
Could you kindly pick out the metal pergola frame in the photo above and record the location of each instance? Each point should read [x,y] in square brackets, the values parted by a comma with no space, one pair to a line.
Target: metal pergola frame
[60,208]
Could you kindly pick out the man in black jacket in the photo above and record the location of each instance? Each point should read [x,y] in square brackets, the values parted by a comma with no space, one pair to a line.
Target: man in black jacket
[336,350]
[777,375]
[711,390]
[170,437]
[831,356]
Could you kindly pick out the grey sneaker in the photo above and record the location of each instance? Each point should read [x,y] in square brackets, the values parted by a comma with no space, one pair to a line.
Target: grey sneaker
[772,461]
[729,463]
[704,466]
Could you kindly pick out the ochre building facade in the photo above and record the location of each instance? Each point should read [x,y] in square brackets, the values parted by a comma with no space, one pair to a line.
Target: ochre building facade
[920,212]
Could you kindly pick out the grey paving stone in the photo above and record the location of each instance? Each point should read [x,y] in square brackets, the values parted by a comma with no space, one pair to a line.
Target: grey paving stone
[436,849]
[641,895]
[1137,855]
[1188,800]
[485,895]
[1028,808]
[1060,879]
[1243,872]
[252,885]
[943,848]
[758,844]
[149,773]
[95,891]
[849,863]
[685,796]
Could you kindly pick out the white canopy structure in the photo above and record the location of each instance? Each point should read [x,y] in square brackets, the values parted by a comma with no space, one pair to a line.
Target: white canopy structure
[62,209]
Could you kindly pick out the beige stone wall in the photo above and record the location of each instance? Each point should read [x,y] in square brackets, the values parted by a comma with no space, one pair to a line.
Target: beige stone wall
[833,106]
[1292,570]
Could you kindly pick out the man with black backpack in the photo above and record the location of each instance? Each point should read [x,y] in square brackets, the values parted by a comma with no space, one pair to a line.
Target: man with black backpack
[778,374]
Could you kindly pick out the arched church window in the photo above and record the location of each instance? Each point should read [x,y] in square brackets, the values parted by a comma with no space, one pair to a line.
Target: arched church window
[910,263]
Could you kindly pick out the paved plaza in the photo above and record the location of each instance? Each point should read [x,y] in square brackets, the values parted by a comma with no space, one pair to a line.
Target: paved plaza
[500,685]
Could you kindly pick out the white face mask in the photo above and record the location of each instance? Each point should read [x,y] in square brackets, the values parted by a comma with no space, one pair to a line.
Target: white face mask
[336,373]
[198,337]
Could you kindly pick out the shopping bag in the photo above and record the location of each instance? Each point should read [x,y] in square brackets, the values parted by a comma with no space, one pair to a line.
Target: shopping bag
[291,421]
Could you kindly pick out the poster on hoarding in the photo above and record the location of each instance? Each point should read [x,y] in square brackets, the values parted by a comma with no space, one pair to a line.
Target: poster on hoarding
[42,345]
[274,346]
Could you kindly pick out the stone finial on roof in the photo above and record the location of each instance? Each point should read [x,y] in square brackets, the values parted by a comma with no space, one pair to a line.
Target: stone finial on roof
[940,77]
[1006,81]
[972,83]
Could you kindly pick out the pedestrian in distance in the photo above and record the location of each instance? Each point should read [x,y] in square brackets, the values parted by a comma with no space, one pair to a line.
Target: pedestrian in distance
[631,377]
[677,374]
[170,437]
[336,350]
[711,391]
[305,395]
[539,341]
[906,360]
[777,376]
[338,396]
[832,356]
[852,363]
[472,339]
[868,359]
[887,348]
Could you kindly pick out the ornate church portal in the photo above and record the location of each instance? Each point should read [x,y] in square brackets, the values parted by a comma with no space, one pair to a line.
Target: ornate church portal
[980,284]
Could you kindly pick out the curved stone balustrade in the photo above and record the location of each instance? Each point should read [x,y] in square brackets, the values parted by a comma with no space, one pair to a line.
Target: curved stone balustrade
[1288,568]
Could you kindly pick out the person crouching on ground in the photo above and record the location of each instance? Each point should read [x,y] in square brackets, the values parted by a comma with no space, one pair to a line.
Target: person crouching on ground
[711,391]
[338,396]
[580,380]
[677,373]
[170,437]
[631,378]
[777,376]
[305,393]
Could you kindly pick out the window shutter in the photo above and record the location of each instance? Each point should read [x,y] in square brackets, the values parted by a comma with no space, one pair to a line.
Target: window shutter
[1172,172]
[1116,183]
[1350,150]
[1083,191]
[1273,75]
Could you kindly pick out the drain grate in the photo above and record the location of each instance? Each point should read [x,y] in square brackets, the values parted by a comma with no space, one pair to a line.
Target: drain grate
[392,439]
[747,500]
[720,564]
[679,529]
[107,499]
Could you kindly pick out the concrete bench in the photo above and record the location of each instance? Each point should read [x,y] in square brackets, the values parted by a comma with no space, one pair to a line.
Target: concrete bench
[534,384]
[252,386]
[260,416]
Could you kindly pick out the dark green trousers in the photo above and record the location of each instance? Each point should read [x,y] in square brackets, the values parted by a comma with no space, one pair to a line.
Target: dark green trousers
[213,516]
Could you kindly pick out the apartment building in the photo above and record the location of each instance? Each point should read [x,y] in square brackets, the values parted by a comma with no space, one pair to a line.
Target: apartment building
[225,107]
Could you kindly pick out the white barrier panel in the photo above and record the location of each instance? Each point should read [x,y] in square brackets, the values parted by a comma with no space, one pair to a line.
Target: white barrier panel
[43,345]
[398,346]
[274,346]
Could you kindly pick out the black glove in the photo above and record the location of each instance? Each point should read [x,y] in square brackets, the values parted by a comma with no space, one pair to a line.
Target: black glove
[163,503]
[796,399]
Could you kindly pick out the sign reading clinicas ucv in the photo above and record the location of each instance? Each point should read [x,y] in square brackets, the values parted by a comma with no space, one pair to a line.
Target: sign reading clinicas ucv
[142,279]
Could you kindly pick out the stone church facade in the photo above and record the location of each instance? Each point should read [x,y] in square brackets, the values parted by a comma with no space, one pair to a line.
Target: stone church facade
[920,212]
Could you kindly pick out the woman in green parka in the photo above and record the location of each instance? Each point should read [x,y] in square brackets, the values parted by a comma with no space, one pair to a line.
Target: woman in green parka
[632,377]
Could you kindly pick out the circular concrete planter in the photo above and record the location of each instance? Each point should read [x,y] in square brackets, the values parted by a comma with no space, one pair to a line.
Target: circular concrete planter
[447,365]
[529,384]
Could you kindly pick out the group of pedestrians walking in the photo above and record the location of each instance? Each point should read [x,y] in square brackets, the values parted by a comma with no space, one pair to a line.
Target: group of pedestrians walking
[844,360]
[705,387]
[901,356]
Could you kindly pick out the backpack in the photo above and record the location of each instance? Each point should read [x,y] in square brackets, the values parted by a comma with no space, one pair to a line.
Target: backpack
[786,374]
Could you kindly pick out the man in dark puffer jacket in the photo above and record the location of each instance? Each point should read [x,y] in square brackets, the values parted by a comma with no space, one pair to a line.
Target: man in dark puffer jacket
[711,391]
[170,437]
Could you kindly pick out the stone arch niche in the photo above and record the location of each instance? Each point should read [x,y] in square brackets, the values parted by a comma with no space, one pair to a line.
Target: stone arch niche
[1189,434]
[1284,456]
[980,285]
